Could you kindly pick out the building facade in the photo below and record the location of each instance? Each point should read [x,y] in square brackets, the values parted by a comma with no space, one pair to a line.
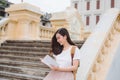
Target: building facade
[91,10]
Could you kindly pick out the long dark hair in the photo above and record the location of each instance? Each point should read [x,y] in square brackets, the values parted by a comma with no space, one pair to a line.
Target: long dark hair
[56,47]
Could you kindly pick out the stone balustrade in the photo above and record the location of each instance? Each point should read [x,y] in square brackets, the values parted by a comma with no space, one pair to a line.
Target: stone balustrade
[46,33]
[104,59]
[98,50]
[3,28]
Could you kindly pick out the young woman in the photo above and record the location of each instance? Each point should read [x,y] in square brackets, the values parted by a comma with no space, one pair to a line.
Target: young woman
[61,48]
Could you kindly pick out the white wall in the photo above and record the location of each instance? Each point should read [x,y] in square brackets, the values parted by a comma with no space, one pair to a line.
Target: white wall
[104,5]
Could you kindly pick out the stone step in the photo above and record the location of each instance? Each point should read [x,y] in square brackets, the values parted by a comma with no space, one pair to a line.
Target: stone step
[14,76]
[24,64]
[39,41]
[31,45]
[19,58]
[79,45]
[23,53]
[26,44]
[78,41]
[21,70]
[28,49]
[3,79]
[28,41]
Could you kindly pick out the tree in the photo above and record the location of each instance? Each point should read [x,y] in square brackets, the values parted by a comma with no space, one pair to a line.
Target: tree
[3,3]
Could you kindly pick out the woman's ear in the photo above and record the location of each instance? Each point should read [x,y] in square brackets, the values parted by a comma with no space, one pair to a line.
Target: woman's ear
[65,37]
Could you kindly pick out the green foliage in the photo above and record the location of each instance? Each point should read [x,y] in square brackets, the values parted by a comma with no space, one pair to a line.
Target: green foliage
[3,3]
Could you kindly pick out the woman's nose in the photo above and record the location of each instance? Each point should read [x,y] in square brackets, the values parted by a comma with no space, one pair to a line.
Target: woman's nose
[57,40]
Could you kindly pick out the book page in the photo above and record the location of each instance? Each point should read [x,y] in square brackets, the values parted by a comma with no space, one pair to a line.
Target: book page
[49,61]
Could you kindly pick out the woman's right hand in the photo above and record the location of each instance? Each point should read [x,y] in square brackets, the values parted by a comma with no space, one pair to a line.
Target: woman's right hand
[55,68]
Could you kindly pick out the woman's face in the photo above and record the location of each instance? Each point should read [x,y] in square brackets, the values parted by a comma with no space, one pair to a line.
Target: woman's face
[60,39]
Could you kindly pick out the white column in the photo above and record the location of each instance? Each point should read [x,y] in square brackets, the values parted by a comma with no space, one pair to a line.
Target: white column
[22,30]
[35,30]
[10,30]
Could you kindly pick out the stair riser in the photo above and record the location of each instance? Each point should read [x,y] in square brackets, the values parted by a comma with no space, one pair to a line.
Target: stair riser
[13,77]
[38,46]
[22,54]
[31,45]
[25,45]
[24,41]
[42,42]
[19,59]
[28,50]
[33,66]
[24,71]
[79,45]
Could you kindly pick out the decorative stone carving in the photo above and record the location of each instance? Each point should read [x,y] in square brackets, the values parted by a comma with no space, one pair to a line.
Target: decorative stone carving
[117,24]
[96,67]
[110,36]
[113,30]
[75,22]
[107,42]
[104,50]
[45,20]
[100,58]
[91,76]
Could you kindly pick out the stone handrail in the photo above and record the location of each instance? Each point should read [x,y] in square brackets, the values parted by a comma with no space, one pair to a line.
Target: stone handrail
[97,52]
[3,27]
[46,32]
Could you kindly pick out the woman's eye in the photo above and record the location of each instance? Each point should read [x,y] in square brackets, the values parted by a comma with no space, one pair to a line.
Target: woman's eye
[58,38]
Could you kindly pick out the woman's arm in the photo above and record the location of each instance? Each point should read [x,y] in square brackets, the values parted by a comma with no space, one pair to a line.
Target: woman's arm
[72,68]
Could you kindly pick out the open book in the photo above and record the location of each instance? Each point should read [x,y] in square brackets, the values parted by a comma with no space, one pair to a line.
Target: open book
[49,61]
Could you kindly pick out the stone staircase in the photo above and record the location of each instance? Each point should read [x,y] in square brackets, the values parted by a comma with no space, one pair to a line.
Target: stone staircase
[19,60]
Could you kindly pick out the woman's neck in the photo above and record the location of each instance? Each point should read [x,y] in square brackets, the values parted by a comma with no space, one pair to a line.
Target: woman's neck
[66,46]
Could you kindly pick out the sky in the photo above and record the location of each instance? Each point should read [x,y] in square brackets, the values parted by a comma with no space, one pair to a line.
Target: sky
[49,6]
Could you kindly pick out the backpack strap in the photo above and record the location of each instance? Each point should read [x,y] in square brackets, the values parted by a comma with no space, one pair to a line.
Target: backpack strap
[72,55]
[72,52]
